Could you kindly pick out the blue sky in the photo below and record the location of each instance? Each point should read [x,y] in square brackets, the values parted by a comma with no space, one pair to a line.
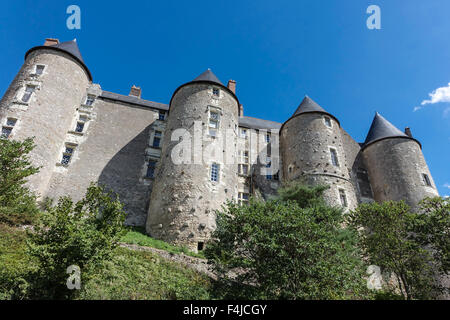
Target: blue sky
[277,51]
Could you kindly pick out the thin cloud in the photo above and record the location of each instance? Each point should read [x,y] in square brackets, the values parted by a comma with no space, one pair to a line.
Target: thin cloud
[439,95]
[447,185]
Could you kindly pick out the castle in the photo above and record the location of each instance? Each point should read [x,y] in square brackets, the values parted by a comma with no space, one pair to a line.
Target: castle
[174,165]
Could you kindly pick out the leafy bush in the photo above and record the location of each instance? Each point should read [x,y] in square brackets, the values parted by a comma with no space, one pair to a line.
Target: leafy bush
[413,246]
[82,234]
[294,247]
[17,203]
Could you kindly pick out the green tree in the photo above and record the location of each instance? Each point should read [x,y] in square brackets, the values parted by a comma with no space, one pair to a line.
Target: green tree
[397,240]
[17,203]
[293,247]
[82,234]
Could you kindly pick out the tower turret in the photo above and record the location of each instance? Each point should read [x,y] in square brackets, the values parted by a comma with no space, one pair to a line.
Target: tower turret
[42,100]
[197,171]
[396,166]
[312,151]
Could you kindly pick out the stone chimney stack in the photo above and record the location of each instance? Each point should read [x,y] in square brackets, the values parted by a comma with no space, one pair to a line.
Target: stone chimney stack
[241,110]
[50,42]
[135,92]
[232,86]
[408,132]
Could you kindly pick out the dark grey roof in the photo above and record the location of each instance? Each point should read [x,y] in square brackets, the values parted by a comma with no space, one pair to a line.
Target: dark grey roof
[254,123]
[133,100]
[308,105]
[70,47]
[208,76]
[382,129]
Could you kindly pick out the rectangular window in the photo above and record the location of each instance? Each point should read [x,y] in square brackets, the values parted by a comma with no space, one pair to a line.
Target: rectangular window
[426,179]
[89,101]
[80,127]
[162,115]
[215,172]
[67,156]
[6,132]
[334,158]
[244,133]
[244,157]
[343,197]
[157,139]
[268,170]
[151,169]
[11,122]
[243,198]
[39,69]
[327,122]
[243,169]
[268,138]
[276,176]
[27,94]
[216,92]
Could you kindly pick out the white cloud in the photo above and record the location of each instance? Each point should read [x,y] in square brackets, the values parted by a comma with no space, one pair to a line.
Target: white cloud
[447,185]
[439,95]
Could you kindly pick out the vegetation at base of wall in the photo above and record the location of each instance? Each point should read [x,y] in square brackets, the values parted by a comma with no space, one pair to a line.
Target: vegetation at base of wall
[144,275]
[413,246]
[136,235]
[294,247]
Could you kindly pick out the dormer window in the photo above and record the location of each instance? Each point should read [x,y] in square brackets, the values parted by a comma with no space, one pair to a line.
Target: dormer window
[216,92]
[27,94]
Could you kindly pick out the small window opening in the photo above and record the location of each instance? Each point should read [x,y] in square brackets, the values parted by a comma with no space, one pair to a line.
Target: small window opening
[334,158]
[151,169]
[328,122]
[343,197]
[426,180]
[200,245]
[162,115]
[215,172]
[39,69]
[27,94]
[216,92]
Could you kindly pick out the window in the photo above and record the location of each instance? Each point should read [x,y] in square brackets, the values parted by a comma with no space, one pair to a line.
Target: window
[67,155]
[80,127]
[327,122]
[39,69]
[216,92]
[244,156]
[162,115]
[27,94]
[343,197]
[426,179]
[276,176]
[214,118]
[6,132]
[215,172]
[89,100]
[11,122]
[243,169]
[200,246]
[157,139]
[244,133]
[243,198]
[151,169]
[268,171]
[268,138]
[334,158]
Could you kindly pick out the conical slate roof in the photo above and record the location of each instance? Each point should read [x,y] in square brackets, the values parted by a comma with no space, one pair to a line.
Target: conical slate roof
[308,105]
[382,129]
[70,47]
[208,75]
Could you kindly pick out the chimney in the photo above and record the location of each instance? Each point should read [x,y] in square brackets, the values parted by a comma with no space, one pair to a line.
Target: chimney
[241,110]
[232,85]
[50,42]
[408,132]
[135,92]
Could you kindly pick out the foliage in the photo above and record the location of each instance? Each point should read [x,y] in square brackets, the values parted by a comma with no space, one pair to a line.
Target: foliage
[17,203]
[82,234]
[137,275]
[294,247]
[136,235]
[395,239]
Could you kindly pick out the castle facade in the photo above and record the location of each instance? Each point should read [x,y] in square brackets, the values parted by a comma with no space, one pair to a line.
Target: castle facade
[173,165]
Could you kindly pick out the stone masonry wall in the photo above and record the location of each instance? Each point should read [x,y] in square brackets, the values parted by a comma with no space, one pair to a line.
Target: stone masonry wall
[48,114]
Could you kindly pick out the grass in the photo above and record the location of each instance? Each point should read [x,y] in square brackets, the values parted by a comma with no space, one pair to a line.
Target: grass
[136,235]
[128,275]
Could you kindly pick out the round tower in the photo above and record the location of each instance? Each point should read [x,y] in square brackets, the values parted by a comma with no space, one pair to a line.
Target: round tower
[41,102]
[396,166]
[197,172]
[312,151]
